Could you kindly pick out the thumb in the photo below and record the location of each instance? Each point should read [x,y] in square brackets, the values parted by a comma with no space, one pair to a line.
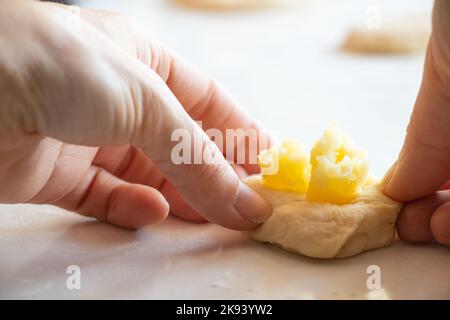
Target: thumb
[423,165]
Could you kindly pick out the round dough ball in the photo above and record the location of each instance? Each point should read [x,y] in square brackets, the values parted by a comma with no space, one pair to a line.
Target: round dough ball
[233,4]
[400,36]
[323,230]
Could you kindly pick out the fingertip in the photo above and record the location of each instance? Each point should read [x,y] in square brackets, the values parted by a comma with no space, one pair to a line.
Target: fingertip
[134,206]
[251,206]
[440,224]
[413,223]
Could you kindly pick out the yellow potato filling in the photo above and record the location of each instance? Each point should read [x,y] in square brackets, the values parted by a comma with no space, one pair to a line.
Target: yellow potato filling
[286,167]
[333,172]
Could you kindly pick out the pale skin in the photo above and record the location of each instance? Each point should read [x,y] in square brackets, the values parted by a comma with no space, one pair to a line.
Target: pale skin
[87,110]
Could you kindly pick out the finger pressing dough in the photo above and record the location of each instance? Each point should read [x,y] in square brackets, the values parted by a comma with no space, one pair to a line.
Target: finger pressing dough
[233,4]
[399,35]
[323,230]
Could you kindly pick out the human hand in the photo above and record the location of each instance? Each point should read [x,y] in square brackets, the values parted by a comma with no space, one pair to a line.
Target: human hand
[421,174]
[87,111]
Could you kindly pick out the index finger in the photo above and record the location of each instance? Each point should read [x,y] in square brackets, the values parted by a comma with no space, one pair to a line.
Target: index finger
[205,100]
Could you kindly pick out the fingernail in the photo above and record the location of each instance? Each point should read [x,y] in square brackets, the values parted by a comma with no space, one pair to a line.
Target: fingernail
[251,205]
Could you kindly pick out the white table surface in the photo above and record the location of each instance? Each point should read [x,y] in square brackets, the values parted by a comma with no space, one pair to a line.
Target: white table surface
[285,69]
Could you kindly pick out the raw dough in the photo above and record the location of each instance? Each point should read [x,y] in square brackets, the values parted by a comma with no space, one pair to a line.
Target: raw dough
[322,230]
[234,4]
[401,35]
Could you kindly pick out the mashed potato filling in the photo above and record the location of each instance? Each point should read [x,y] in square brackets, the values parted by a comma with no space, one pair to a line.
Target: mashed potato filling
[286,167]
[335,171]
